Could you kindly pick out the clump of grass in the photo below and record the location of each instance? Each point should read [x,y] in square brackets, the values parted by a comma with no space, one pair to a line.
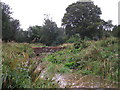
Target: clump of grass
[18,65]
[53,69]
[41,83]
[15,70]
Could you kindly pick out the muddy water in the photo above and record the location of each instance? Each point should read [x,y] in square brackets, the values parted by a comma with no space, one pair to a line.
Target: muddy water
[78,81]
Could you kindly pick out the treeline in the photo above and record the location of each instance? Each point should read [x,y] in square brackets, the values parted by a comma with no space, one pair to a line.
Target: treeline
[48,34]
[81,20]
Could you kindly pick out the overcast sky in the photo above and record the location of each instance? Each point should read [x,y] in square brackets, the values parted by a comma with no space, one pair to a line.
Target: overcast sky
[31,12]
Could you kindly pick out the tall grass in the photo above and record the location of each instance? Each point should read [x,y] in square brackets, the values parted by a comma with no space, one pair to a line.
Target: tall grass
[85,57]
[91,57]
[18,66]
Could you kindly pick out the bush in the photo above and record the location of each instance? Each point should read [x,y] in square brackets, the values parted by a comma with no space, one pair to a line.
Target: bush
[81,44]
[73,39]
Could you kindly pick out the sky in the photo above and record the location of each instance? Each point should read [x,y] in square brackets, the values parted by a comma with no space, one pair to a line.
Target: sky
[31,12]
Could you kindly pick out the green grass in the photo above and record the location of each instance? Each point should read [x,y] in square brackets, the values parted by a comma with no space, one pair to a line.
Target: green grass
[87,57]
[16,71]
[97,58]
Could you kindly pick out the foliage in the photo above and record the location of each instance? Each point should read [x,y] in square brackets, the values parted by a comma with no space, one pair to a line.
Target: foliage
[97,58]
[19,63]
[93,57]
[82,23]
[61,37]
[48,34]
[74,38]
[41,83]
[15,69]
[35,33]
[116,31]
[82,18]
[54,68]
[9,25]
[49,31]
[81,44]
[22,36]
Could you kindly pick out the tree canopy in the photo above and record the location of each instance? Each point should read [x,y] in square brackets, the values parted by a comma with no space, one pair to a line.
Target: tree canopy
[48,34]
[82,18]
[50,31]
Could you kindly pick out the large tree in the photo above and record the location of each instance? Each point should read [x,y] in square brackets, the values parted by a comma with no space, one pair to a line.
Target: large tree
[83,18]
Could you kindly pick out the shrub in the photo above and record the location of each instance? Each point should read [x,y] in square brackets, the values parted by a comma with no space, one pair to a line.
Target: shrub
[81,44]
[73,39]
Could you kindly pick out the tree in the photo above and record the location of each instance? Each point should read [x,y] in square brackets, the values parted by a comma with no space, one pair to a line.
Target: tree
[116,31]
[49,32]
[108,25]
[35,33]
[83,18]
[5,21]
[22,36]
[14,27]
[9,25]
[60,37]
